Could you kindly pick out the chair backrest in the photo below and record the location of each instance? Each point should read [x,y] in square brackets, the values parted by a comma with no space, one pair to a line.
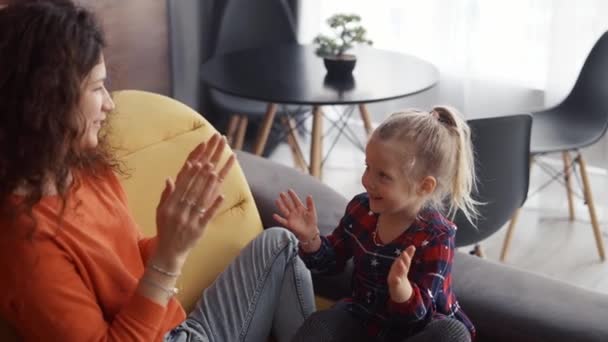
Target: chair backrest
[590,91]
[502,166]
[246,24]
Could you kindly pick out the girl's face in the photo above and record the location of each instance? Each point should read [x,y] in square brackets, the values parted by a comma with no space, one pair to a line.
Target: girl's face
[384,179]
[95,104]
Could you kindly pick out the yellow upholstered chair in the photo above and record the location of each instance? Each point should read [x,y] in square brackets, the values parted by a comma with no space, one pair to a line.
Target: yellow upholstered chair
[155,135]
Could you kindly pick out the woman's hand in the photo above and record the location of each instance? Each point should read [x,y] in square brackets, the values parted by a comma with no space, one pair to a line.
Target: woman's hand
[298,218]
[399,286]
[212,151]
[189,203]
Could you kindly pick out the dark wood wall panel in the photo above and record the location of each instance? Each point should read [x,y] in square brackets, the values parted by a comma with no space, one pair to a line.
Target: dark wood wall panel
[137,34]
[137,54]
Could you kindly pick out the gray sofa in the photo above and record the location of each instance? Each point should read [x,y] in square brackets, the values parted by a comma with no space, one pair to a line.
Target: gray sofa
[504,303]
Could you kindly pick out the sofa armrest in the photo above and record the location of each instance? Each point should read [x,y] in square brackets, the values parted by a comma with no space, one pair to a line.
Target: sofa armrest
[267,178]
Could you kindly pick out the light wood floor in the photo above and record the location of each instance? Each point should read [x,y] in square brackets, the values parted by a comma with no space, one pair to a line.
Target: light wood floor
[544,241]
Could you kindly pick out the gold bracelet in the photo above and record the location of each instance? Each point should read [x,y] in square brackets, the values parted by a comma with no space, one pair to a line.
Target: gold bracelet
[169,291]
[304,243]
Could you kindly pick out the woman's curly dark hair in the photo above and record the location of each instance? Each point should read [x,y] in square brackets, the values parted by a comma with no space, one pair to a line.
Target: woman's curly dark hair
[47,48]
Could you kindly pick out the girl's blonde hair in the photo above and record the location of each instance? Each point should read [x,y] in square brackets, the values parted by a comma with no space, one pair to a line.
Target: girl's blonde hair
[440,143]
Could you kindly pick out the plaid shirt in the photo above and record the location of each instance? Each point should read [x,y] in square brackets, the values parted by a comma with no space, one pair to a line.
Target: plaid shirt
[430,273]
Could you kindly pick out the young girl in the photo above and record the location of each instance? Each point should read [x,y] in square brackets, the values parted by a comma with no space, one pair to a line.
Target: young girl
[73,264]
[401,244]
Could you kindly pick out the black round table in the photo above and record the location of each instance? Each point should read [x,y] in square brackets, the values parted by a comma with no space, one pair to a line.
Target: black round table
[294,74]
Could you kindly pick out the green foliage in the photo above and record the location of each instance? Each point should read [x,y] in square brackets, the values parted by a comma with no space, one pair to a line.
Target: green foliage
[347,32]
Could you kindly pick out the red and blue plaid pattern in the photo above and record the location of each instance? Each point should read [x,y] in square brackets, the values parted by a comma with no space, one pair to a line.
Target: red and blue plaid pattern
[430,273]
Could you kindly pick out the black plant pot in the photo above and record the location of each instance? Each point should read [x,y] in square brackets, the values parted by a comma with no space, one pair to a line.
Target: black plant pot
[340,66]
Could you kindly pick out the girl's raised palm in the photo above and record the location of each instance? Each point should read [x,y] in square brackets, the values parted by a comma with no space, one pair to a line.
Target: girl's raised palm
[299,218]
[399,286]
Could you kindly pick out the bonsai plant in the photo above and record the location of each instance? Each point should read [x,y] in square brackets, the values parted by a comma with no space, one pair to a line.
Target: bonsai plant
[347,32]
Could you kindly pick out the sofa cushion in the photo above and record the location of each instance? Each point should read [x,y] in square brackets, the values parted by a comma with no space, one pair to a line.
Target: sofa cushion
[508,304]
[267,178]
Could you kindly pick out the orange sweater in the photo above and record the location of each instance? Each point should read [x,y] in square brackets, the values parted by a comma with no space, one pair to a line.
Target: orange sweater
[76,281]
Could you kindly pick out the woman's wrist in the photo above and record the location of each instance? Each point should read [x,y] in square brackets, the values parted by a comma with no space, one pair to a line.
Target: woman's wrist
[163,271]
[168,289]
[167,265]
[157,287]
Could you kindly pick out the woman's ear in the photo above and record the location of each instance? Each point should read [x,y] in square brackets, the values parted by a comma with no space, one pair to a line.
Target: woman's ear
[427,185]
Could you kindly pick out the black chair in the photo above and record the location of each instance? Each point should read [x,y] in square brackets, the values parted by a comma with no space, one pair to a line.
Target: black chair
[246,24]
[578,121]
[502,148]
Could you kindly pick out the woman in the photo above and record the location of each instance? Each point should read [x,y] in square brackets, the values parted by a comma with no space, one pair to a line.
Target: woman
[73,264]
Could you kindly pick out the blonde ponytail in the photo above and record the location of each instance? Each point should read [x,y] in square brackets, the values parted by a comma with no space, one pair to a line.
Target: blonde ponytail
[464,180]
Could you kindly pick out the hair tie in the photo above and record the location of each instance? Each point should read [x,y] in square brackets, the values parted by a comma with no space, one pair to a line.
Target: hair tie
[442,118]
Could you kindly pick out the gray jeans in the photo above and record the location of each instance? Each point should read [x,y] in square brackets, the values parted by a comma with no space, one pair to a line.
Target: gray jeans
[266,289]
[338,325]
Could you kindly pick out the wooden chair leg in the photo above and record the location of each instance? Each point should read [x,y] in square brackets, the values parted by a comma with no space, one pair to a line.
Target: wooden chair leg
[296,151]
[232,128]
[316,148]
[240,133]
[530,164]
[264,131]
[478,251]
[568,181]
[589,200]
[509,236]
[367,121]
[506,244]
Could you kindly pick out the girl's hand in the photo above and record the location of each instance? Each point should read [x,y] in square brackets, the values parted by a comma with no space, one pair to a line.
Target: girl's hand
[299,219]
[399,285]
[189,203]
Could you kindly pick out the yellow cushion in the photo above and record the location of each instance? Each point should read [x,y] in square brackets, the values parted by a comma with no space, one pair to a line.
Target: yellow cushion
[155,134]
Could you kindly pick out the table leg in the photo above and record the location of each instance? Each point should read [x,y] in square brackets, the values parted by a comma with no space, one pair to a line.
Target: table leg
[232,128]
[264,131]
[240,134]
[292,141]
[367,121]
[316,148]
